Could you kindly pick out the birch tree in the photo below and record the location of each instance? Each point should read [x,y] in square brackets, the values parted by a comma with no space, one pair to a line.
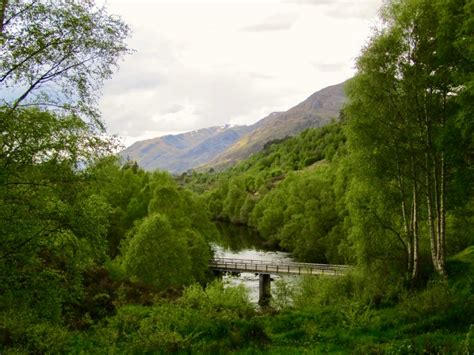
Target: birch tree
[56,54]
[404,114]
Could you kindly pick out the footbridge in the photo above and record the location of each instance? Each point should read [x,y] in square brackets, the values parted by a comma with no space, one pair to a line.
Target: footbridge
[267,267]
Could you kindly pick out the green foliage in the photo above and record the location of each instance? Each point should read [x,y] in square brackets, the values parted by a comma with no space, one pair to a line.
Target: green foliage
[102,257]
[155,255]
[58,53]
[158,229]
[288,193]
[301,215]
[126,190]
[214,319]
[52,228]
[218,299]
[412,161]
[283,294]
[461,222]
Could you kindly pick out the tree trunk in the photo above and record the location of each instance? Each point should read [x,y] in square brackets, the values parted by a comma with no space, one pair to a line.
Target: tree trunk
[406,224]
[442,217]
[414,273]
[409,244]
[414,222]
[442,204]
[431,215]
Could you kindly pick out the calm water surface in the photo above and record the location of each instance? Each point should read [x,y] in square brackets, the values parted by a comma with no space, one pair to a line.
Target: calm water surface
[240,242]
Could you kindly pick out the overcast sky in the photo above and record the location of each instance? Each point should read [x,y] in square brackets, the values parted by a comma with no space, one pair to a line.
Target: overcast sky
[205,63]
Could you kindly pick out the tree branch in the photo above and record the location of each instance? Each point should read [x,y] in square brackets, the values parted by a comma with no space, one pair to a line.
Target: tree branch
[5,24]
[26,241]
[32,55]
[38,82]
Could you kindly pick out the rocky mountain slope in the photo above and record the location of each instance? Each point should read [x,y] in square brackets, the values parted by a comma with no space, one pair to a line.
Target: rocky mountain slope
[316,111]
[219,147]
[178,153]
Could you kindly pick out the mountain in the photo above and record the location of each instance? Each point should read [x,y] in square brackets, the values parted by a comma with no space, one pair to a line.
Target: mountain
[316,111]
[219,147]
[178,153]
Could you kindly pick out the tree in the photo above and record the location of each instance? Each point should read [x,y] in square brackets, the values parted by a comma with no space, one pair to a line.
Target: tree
[51,228]
[404,116]
[164,257]
[155,256]
[56,54]
[126,190]
[39,181]
[64,49]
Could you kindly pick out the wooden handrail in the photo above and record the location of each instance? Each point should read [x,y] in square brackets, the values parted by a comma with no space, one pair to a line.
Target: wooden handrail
[272,266]
[279,263]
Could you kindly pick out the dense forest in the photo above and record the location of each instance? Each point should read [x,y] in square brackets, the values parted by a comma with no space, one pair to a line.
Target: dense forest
[97,255]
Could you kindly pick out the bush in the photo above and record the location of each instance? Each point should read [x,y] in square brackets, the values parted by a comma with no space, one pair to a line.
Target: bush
[214,319]
[158,255]
[229,302]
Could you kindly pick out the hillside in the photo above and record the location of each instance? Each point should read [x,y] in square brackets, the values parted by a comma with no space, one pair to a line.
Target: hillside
[282,188]
[316,111]
[219,147]
[178,153]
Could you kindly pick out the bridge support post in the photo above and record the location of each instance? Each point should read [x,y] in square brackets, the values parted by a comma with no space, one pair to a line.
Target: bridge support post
[218,274]
[265,294]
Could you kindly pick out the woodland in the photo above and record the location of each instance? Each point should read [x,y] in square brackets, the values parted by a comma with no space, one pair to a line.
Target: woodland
[100,256]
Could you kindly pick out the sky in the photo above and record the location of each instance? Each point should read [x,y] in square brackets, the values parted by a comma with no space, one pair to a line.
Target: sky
[206,63]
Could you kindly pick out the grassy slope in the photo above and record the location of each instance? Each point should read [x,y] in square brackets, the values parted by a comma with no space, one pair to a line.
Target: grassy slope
[436,320]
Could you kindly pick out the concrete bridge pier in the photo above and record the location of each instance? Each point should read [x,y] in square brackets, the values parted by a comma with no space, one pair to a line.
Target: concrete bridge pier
[265,294]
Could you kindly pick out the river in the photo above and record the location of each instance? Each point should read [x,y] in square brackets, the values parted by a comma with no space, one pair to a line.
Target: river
[240,242]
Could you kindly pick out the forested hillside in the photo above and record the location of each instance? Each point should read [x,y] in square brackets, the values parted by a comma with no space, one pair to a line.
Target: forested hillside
[102,257]
[289,192]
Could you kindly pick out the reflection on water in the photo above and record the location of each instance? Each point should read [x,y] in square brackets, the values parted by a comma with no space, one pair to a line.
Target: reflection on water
[237,237]
[240,242]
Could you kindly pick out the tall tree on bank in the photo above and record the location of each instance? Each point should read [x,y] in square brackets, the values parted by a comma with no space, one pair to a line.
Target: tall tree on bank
[405,114]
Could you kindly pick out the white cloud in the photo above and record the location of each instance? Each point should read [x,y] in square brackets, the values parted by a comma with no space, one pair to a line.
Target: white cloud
[278,22]
[329,66]
[362,9]
[196,67]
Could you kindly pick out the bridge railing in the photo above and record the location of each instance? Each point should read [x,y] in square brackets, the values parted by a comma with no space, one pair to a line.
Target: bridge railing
[270,266]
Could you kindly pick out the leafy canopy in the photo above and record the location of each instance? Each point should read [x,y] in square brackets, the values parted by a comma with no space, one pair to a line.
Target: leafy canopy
[56,54]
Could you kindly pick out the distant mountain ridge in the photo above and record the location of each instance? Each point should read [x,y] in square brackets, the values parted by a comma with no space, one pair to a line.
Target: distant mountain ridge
[316,111]
[181,152]
[219,147]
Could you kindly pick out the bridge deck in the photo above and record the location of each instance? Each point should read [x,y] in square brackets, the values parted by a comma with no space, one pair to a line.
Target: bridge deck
[272,267]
